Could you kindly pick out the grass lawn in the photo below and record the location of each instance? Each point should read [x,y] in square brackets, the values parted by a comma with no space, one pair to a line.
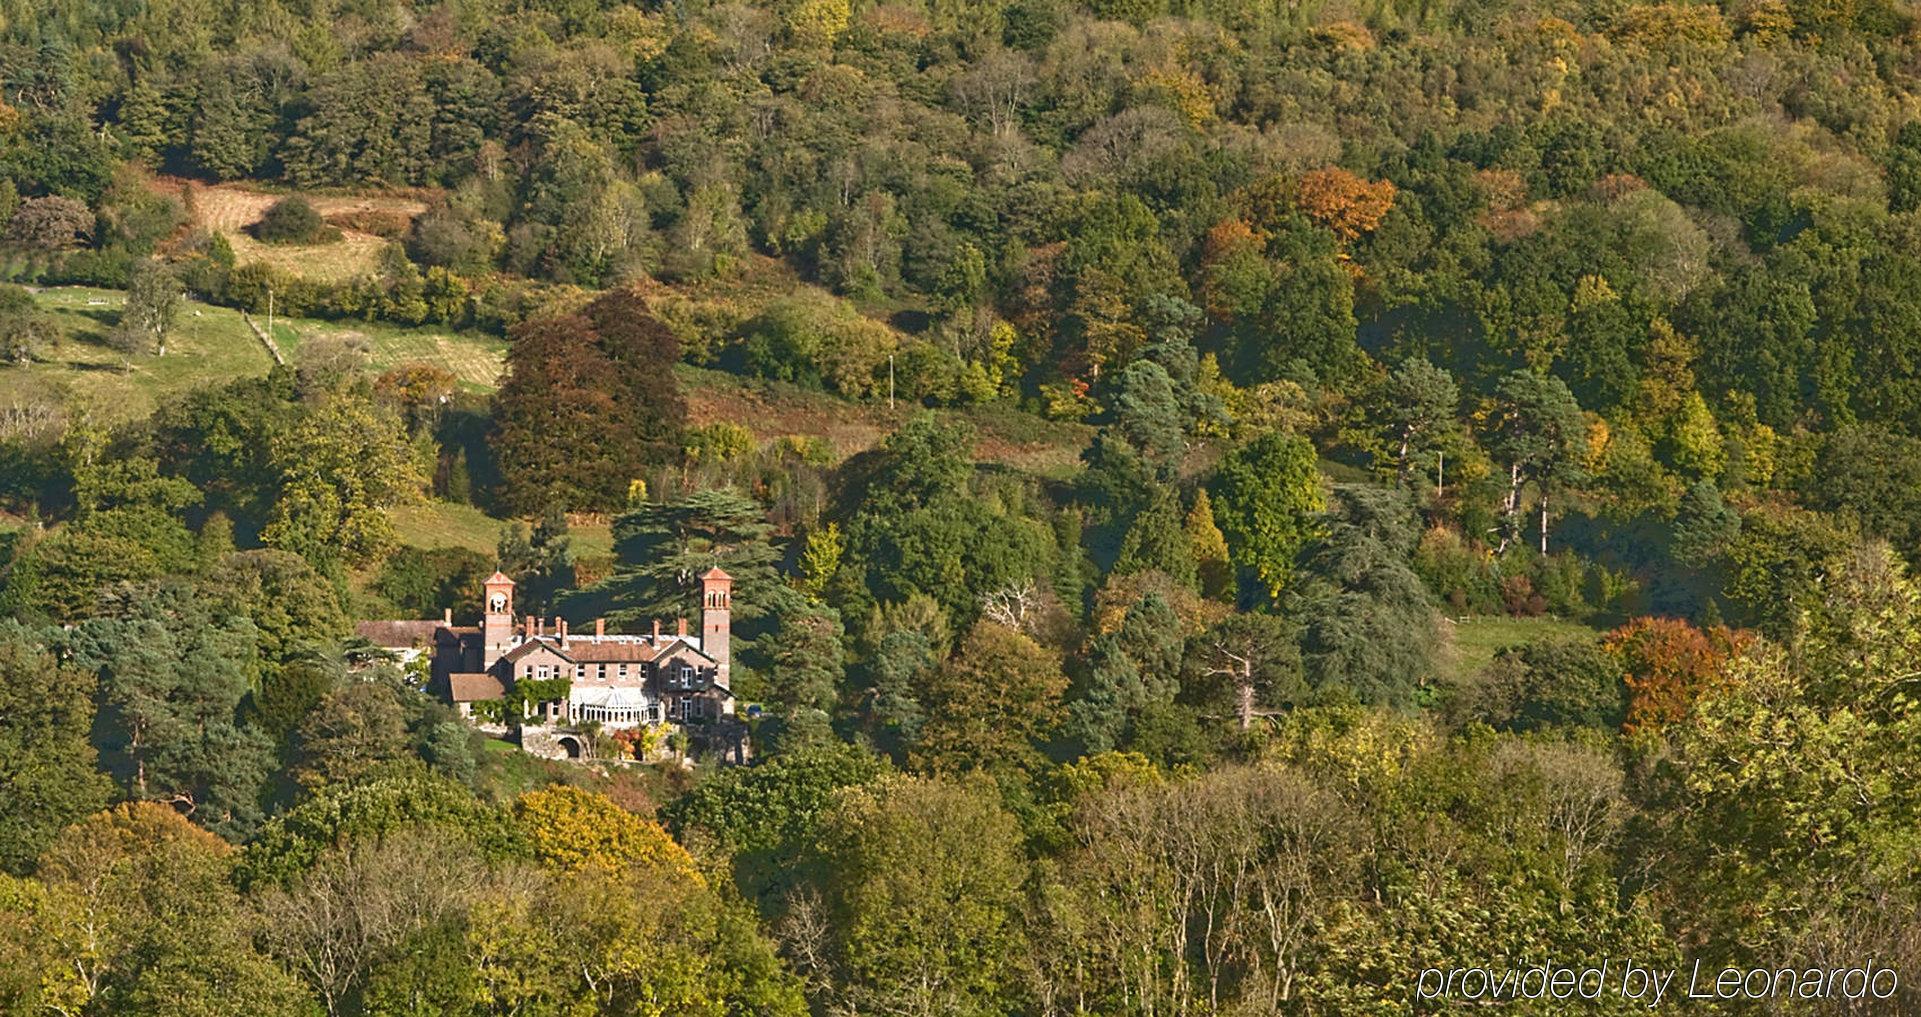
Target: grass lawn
[432,524]
[231,208]
[477,360]
[1472,642]
[773,410]
[210,345]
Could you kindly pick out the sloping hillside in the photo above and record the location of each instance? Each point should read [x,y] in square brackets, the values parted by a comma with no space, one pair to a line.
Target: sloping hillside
[210,345]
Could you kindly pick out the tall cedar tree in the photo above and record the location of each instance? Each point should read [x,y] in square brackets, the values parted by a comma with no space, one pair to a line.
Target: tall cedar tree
[589,398]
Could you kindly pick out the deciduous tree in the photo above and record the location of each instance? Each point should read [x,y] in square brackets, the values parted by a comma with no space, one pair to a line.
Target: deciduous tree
[991,704]
[1269,492]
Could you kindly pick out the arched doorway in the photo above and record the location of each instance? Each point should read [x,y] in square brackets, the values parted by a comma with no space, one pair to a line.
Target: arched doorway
[572,745]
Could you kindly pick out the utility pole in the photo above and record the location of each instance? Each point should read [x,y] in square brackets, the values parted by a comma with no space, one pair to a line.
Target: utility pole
[1440,470]
[890,383]
[270,312]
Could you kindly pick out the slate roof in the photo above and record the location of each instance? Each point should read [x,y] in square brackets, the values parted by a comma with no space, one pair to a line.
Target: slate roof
[608,649]
[398,632]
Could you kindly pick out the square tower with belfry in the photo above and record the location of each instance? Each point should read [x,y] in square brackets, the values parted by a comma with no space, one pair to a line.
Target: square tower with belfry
[716,619]
[497,619]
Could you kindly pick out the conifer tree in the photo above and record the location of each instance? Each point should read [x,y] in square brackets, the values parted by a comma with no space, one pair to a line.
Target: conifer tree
[1208,548]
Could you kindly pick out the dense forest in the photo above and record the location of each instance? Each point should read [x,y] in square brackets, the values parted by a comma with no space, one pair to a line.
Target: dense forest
[1486,535]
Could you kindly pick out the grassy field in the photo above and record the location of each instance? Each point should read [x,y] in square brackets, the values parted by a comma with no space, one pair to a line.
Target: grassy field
[1472,642]
[434,524]
[231,208]
[774,409]
[475,359]
[443,524]
[210,345]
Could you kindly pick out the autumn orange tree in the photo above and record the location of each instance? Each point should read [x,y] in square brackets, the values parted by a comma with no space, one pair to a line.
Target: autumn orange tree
[1340,201]
[1668,664]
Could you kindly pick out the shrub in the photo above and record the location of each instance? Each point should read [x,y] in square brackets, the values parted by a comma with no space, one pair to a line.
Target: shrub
[819,343]
[719,442]
[1518,596]
[1456,573]
[293,220]
[381,222]
[52,223]
[1549,683]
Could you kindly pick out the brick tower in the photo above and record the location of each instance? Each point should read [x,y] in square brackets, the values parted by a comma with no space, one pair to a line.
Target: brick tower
[716,605]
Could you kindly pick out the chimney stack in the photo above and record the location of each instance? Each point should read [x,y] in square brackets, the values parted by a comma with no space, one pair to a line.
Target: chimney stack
[656,630]
[600,628]
[447,616]
[560,629]
[680,626]
[540,626]
[528,627]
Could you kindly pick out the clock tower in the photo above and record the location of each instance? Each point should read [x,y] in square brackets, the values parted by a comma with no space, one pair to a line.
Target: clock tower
[497,624]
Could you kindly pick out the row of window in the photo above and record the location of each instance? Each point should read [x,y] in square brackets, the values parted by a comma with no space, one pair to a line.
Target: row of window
[681,678]
[685,709]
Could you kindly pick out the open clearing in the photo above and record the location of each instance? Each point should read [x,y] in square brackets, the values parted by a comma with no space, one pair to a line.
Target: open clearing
[1472,642]
[80,370]
[773,410]
[231,208]
[431,524]
[210,346]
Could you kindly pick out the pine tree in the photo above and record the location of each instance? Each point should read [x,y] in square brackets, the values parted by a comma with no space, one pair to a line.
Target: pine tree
[46,760]
[1157,541]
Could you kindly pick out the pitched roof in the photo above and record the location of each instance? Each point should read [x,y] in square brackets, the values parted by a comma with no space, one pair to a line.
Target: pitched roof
[397,631]
[716,573]
[474,687]
[497,578]
[608,649]
[673,644]
[530,645]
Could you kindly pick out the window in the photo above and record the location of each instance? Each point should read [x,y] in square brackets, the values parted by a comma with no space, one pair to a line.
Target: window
[686,676]
[543,672]
[621,670]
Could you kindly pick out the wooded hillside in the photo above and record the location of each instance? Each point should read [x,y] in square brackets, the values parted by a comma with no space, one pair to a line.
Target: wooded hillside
[1230,504]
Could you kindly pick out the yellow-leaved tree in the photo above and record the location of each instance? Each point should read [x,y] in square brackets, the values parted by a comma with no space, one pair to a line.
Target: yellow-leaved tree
[574,830]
